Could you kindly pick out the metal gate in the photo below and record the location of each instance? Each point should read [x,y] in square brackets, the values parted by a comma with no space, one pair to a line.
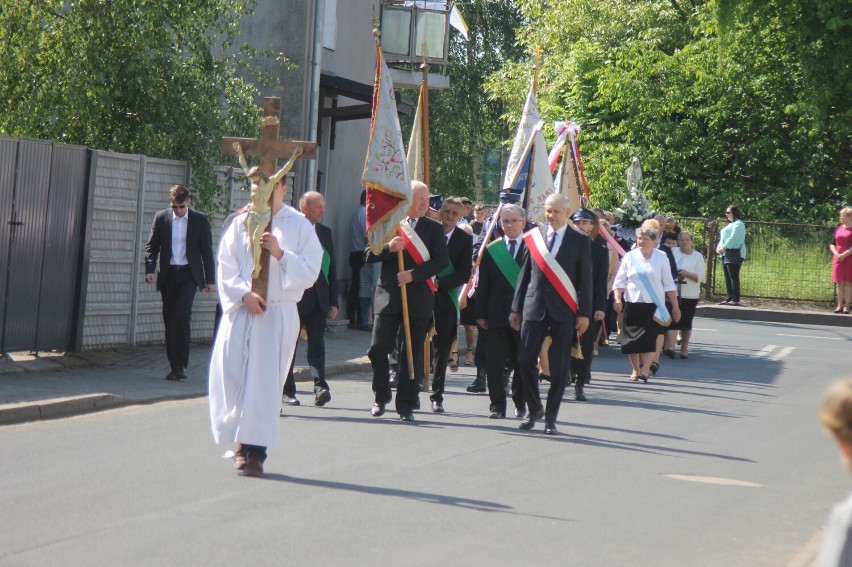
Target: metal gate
[43,192]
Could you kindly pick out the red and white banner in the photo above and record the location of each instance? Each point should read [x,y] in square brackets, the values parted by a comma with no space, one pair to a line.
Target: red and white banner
[385,174]
[561,129]
[416,249]
[551,268]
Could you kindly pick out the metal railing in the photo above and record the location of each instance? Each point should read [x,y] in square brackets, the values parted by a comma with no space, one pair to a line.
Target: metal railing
[785,261]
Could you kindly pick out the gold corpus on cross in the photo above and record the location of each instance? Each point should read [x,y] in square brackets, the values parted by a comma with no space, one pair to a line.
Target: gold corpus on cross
[269,148]
[537,53]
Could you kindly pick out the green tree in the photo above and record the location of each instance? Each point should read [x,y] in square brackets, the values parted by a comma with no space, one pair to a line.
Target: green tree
[715,118]
[137,76]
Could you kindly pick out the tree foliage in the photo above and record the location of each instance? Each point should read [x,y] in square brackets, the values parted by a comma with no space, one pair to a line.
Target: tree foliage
[139,76]
[714,117]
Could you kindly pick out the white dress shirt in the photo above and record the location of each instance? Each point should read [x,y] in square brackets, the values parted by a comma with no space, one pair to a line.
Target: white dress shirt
[179,225]
[517,241]
[560,236]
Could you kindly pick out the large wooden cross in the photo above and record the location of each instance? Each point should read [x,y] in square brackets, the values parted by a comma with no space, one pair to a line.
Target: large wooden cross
[269,148]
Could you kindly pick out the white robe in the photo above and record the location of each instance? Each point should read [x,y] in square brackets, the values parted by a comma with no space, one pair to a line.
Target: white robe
[252,353]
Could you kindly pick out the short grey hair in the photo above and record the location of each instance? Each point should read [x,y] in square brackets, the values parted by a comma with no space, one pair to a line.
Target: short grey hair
[513,209]
[557,199]
[689,232]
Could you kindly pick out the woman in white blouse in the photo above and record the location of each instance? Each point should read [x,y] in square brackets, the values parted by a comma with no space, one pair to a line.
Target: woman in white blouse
[641,285]
[691,270]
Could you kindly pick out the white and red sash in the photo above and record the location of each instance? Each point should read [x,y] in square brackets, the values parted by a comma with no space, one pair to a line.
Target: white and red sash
[551,268]
[416,249]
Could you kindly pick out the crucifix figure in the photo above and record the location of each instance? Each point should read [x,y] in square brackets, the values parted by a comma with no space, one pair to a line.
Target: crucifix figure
[263,178]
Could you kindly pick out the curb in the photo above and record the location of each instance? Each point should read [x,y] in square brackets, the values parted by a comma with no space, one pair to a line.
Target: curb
[793,317]
[78,405]
[60,407]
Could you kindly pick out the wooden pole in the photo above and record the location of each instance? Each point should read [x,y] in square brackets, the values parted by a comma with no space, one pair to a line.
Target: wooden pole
[424,126]
[489,230]
[427,179]
[405,319]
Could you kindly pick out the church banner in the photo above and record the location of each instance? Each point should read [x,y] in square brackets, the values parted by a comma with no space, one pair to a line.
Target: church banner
[385,174]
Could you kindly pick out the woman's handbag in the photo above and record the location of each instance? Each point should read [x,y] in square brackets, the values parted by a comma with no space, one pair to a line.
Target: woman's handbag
[733,256]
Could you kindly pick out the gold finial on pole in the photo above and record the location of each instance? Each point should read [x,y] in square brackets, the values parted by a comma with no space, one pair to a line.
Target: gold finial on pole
[377,25]
[537,53]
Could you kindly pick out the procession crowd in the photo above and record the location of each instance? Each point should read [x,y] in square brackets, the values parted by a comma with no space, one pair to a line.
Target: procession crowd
[534,302]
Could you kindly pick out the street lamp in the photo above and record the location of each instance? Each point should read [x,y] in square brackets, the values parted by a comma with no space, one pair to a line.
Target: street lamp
[415,31]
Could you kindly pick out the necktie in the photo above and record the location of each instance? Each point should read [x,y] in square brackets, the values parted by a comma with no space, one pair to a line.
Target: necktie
[512,245]
[551,241]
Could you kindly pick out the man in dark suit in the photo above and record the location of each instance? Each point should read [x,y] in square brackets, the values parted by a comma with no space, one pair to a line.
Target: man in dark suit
[318,304]
[181,240]
[387,305]
[498,276]
[581,368]
[450,281]
[541,305]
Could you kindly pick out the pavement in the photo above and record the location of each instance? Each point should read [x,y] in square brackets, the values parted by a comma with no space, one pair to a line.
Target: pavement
[54,385]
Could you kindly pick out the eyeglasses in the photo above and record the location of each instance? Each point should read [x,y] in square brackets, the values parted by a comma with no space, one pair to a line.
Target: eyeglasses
[176,207]
[510,221]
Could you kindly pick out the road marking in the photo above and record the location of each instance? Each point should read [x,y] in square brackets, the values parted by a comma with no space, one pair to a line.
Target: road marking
[769,352]
[705,330]
[766,350]
[812,337]
[713,480]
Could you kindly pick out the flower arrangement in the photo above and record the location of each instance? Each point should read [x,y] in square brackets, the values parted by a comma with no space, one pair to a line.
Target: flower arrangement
[631,215]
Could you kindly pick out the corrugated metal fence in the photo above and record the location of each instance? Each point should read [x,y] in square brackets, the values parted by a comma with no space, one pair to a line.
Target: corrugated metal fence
[72,267]
[43,192]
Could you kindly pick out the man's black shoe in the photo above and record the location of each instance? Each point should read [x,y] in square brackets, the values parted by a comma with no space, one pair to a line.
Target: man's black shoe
[322,397]
[529,421]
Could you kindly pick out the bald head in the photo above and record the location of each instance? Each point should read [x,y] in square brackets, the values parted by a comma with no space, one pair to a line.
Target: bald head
[419,199]
[312,205]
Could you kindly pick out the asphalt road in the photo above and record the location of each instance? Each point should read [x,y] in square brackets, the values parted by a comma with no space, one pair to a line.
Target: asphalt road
[717,461]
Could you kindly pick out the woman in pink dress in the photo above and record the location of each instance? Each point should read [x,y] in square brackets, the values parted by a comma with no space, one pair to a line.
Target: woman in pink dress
[841,267]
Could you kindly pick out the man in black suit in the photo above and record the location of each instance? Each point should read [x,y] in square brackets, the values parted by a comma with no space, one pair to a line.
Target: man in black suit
[450,281]
[498,276]
[387,305]
[539,303]
[588,222]
[318,304]
[181,240]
